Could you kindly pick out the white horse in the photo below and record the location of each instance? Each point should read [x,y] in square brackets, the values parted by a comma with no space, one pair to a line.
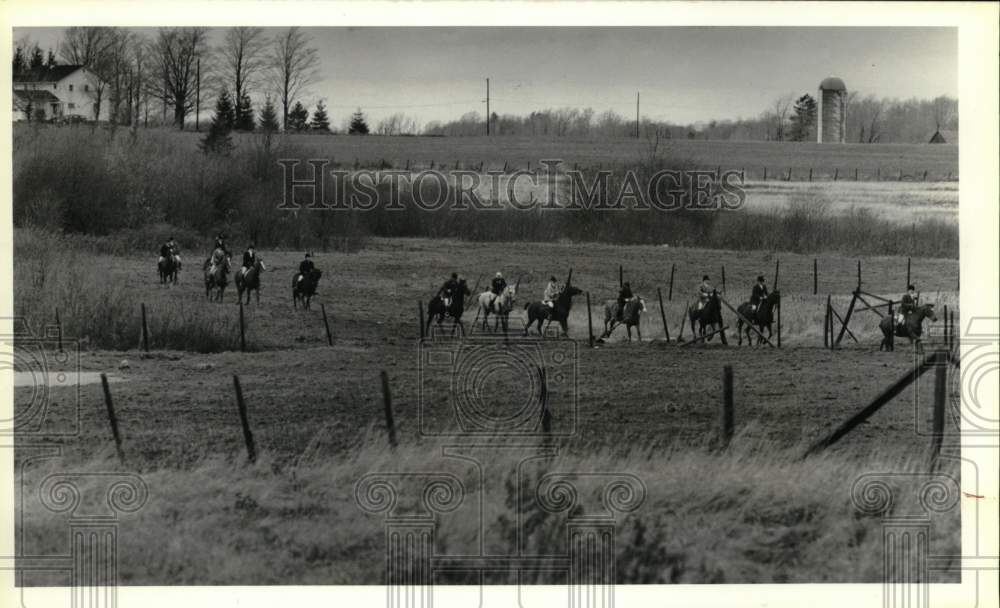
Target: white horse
[501,306]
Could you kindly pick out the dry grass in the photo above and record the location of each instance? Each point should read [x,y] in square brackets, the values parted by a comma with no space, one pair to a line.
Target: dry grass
[750,514]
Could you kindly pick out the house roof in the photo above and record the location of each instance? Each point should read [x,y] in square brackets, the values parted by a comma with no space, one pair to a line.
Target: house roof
[42,96]
[944,136]
[51,74]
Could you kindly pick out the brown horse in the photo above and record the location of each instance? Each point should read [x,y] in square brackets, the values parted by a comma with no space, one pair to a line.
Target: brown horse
[167,268]
[217,279]
[709,316]
[762,318]
[305,289]
[436,308]
[250,281]
[911,328]
[559,311]
[630,317]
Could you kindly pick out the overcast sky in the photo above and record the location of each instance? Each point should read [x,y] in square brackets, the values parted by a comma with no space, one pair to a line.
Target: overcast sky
[684,74]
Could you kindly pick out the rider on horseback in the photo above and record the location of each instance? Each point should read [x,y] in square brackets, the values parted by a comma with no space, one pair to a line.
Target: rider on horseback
[704,292]
[249,259]
[624,295]
[552,291]
[759,293]
[218,254]
[496,288]
[165,251]
[448,289]
[907,304]
[305,267]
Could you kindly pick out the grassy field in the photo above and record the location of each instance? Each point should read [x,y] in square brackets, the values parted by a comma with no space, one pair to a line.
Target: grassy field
[649,409]
[885,160]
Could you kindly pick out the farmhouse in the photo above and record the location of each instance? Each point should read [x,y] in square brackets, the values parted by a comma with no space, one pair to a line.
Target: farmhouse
[56,92]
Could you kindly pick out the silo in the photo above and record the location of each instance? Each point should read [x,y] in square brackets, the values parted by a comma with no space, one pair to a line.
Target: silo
[832,111]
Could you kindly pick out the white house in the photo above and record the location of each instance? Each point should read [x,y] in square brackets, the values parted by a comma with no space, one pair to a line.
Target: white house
[58,92]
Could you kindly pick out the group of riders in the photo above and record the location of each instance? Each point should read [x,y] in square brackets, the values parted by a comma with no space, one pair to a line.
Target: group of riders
[170,251]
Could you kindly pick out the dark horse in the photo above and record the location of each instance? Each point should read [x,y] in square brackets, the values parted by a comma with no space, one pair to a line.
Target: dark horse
[436,308]
[710,315]
[630,317]
[217,279]
[168,268]
[762,318]
[912,327]
[559,312]
[250,281]
[305,289]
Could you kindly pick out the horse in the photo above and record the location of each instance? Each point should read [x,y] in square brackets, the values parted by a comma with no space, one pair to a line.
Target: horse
[540,311]
[437,308]
[710,315]
[762,318]
[305,289]
[168,267]
[217,279]
[911,328]
[634,308]
[250,281]
[501,306]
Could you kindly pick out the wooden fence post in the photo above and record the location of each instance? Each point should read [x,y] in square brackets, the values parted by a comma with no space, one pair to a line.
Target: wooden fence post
[590,322]
[828,320]
[247,435]
[543,395]
[944,335]
[390,424]
[940,395]
[859,275]
[836,173]
[891,344]
[815,277]
[621,276]
[726,421]
[779,323]
[810,174]
[326,324]
[878,174]
[723,279]
[112,418]
[765,174]
[663,314]
[420,308]
[777,263]
[907,273]
[855,174]
[145,330]
[789,178]
[59,331]
[243,338]
[670,292]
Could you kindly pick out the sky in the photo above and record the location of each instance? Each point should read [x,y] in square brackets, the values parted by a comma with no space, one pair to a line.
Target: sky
[683,74]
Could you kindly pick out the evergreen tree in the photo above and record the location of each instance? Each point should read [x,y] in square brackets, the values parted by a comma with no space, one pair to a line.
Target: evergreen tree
[298,117]
[19,65]
[51,61]
[320,121]
[804,118]
[218,139]
[359,126]
[37,60]
[268,117]
[243,120]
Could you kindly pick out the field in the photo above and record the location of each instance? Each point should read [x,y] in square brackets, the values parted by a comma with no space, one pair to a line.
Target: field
[649,409]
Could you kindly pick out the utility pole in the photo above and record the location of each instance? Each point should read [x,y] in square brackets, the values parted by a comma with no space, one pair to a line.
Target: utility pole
[487,107]
[197,95]
[637,114]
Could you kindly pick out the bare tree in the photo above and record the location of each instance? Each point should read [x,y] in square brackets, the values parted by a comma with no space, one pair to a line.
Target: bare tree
[294,66]
[174,55]
[242,57]
[94,48]
[781,107]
